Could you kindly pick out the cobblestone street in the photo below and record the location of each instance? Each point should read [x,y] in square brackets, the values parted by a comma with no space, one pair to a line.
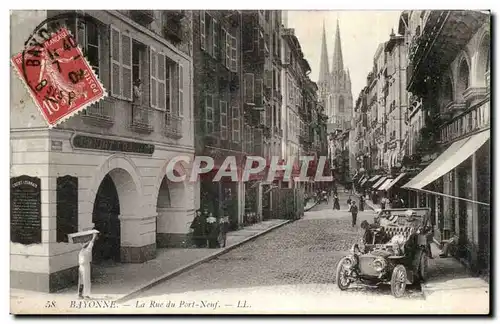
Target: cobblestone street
[301,253]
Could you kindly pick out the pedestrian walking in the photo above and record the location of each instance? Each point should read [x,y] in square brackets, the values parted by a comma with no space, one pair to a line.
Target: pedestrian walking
[361,203]
[336,203]
[383,202]
[84,268]
[354,212]
[349,201]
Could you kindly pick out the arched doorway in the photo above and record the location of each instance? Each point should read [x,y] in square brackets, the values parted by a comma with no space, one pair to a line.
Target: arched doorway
[105,218]
[172,224]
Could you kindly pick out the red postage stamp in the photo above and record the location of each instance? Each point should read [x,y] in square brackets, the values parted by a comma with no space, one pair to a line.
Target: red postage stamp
[58,76]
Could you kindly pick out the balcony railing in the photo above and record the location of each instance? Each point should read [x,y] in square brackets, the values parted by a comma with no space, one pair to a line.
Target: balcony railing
[173,126]
[142,119]
[100,114]
[474,120]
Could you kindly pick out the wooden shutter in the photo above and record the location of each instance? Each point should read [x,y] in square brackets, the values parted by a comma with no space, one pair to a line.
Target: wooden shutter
[115,44]
[153,86]
[160,79]
[181,90]
[126,66]
[203,38]
[234,54]
[215,39]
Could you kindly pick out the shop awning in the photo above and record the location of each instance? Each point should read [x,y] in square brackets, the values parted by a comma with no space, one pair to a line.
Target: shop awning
[394,181]
[449,159]
[374,178]
[379,182]
[386,183]
[363,178]
[363,182]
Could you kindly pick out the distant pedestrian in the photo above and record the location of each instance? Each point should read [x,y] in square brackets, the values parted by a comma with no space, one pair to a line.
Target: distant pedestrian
[349,201]
[361,203]
[336,203]
[354,212]
[383,203]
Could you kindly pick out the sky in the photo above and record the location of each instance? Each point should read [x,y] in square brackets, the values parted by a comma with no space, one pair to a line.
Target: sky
[360,31]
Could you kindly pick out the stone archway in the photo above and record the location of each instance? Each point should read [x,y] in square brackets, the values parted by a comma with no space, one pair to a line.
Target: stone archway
[174,216]
[116,195]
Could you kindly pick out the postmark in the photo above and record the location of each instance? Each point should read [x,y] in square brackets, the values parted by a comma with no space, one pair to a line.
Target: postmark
[57,75]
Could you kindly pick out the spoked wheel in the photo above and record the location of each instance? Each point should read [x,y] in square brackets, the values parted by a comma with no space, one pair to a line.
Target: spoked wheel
[398,281]
[343,281]
[423,267]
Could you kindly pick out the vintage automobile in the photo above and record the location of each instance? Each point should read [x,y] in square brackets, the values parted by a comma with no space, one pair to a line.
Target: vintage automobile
[397,253]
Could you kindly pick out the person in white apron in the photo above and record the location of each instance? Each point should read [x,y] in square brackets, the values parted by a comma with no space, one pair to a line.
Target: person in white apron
[84,260]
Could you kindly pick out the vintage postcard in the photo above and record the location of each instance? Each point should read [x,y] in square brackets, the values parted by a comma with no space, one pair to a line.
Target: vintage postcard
[250,162]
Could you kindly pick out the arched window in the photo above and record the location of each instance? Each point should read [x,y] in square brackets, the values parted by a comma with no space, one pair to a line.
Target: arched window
[341,105]
[463,78]
[446,92]
[483,61]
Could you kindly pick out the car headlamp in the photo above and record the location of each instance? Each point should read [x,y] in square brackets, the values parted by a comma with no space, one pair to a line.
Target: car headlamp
[379,264]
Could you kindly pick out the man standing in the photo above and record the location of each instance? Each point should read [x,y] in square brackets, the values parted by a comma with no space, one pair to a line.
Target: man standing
[354,211]
[84,261]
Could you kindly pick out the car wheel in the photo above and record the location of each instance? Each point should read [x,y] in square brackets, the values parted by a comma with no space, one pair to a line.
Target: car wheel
[398,281]
[343,281]
[423,267]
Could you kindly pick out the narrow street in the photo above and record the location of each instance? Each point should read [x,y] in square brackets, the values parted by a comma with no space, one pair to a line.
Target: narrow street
[298,259]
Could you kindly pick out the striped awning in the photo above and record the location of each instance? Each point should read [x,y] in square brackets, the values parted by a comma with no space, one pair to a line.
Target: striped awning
[393,182]
[385,184]
[374,178]
[379,182]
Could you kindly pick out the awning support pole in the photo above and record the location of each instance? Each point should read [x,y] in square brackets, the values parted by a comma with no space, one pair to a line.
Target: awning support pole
[449,196]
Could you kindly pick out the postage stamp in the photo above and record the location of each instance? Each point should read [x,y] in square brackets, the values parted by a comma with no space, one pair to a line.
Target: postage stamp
[58,77]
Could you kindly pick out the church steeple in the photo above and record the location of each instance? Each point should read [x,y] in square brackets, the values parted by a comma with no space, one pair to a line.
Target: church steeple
[324,69]
[338,64]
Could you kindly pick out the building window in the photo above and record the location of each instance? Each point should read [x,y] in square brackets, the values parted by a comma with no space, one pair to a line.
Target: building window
[223,119]
[249,88]
[158,84]
[121,64]
[180,73]
[209,114]
[209,37]
[236,124]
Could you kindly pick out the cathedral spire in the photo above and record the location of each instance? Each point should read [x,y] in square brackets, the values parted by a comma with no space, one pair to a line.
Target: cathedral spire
[338,64]
[324,69]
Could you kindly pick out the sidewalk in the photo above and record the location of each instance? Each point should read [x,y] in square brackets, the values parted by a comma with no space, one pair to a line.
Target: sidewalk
[119,281]
[448,278]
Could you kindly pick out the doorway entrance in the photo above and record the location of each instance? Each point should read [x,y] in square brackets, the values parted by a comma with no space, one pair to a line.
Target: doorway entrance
[105,219]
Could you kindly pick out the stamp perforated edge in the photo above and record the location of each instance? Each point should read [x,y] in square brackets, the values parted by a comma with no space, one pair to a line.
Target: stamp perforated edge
[74,112]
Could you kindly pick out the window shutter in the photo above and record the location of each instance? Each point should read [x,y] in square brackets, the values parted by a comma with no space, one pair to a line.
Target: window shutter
[234,54]
[126,61]
[258,93]
[223,119]
[115,44]
[228,50]
[153,87]
[209,114]
[236,124]
[215,39]
[222,45]
[249,88]
[181,90]
[81,33]
[202,29]
[161,81]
